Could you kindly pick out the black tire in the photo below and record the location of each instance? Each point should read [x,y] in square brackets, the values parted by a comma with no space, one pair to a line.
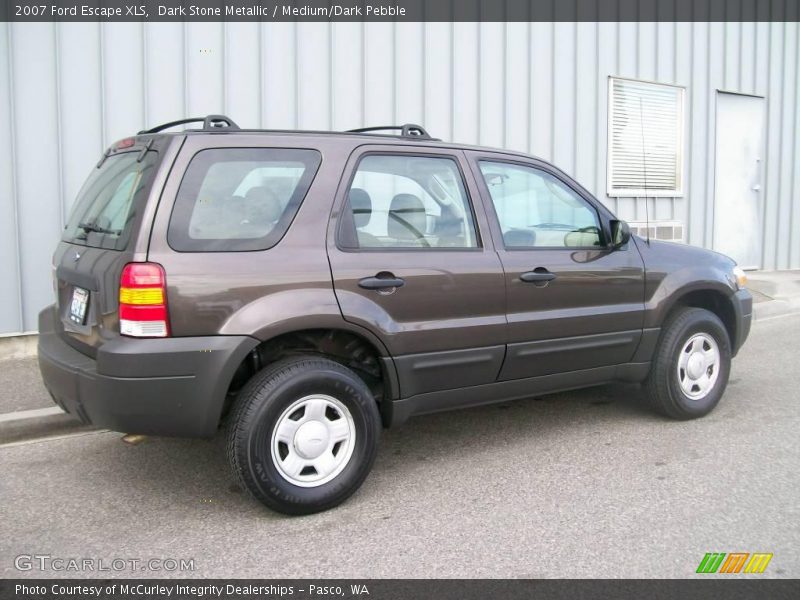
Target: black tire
[255,415]
[663,384]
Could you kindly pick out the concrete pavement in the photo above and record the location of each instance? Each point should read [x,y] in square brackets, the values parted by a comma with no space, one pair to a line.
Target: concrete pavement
[26,410]
[585,484]
[21,386]
[775,293]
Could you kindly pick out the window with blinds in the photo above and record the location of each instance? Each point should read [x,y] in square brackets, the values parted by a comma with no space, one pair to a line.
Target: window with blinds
[645,138]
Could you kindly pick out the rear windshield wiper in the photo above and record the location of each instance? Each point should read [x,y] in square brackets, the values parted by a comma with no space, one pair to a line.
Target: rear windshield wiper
[91,227]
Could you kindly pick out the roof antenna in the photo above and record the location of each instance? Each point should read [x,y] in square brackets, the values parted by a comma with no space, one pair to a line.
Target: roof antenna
[644,165]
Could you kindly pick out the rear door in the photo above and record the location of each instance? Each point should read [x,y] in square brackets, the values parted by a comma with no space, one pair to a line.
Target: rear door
[573,303]
[104,233]
[412,262]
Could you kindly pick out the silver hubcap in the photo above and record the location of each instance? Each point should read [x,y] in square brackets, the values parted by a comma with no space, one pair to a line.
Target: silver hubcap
[698,366]
[313,440]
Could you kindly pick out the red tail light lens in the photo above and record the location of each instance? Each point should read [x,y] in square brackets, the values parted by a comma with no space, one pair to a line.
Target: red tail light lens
[143,301]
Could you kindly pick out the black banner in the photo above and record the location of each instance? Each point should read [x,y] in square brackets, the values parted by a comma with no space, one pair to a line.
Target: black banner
[734,588]
[400,10]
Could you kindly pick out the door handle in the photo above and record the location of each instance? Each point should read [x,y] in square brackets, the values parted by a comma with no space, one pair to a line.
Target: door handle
[538,275]
[757,186]
[381,282]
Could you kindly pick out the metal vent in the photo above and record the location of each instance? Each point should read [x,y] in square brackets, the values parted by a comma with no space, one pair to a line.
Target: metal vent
[668,231]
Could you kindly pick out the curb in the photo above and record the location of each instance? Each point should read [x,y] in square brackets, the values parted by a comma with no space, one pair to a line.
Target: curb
[30,425]
[777,307]
[18,346]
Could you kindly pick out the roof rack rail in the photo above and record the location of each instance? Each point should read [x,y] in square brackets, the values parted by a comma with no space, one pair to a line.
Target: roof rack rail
[409,130]
[210,123]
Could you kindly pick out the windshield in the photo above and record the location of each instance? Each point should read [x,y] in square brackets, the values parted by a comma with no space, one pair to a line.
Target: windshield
[109,200]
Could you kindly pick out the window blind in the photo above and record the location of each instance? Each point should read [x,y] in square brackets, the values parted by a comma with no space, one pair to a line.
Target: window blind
[645,139]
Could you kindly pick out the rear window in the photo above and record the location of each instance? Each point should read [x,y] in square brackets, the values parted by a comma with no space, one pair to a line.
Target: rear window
[238,199]
[110,200]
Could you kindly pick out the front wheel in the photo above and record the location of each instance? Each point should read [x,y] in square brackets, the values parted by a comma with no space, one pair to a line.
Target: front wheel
[303,435]
[691,365]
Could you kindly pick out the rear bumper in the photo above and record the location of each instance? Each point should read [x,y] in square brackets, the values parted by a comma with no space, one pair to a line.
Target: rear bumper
[169,386]
[742,303]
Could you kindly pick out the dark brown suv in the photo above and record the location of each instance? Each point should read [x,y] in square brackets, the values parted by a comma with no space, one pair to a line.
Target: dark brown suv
[308,288]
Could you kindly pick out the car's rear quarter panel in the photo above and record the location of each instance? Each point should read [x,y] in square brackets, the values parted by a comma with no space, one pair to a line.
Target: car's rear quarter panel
[259,293]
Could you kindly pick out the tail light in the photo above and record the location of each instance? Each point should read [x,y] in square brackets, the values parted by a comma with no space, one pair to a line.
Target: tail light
[143,301]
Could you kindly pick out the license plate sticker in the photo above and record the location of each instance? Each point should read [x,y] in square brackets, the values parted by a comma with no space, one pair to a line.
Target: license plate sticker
[80,302]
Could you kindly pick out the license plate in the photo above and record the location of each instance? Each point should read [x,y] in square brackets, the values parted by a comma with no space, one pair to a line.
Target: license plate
[77,309]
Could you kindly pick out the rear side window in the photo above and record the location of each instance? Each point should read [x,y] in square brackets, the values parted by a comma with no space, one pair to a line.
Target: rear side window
[238,199]
[402,201]
[109,201]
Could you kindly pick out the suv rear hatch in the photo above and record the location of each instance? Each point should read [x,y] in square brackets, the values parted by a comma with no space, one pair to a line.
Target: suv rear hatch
[100,239]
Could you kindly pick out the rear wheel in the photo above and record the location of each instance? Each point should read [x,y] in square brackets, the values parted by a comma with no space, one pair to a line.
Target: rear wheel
[690,369]
[303,435]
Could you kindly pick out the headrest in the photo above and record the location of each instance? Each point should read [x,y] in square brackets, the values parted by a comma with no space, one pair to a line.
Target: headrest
[361,205]
[263,204]
[407,219]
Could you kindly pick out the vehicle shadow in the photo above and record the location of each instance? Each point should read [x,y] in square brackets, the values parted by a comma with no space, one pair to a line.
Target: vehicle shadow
[540,419]
[196,472]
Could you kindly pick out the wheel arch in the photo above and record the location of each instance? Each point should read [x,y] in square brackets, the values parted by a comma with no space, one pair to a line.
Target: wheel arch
[716,300]
[347,344]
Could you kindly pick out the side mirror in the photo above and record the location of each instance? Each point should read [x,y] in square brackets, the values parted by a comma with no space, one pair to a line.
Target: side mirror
[620,233]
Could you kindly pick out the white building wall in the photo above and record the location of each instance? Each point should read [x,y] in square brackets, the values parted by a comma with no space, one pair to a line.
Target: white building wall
[69,90]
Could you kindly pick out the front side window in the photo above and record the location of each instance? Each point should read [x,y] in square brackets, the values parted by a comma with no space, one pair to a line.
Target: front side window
[535,209]
[408,202]
[236,199]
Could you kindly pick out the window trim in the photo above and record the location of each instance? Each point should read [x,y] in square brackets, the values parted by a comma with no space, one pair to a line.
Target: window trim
[679,190]
[604,245]
[261,244]
[479,247]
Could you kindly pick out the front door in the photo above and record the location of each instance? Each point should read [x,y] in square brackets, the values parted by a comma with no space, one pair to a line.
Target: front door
[573,302]
[738,177]
[409,264]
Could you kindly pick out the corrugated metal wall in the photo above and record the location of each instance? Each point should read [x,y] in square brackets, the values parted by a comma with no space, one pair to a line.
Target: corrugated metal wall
[68,90]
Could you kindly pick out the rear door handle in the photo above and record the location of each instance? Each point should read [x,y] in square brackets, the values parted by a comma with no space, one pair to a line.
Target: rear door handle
[538,275]
[381,282]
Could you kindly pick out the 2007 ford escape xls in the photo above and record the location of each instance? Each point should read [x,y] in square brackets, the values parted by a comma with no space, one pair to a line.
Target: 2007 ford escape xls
[308,288]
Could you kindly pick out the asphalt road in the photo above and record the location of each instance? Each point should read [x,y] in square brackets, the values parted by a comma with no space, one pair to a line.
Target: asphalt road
[586,484]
